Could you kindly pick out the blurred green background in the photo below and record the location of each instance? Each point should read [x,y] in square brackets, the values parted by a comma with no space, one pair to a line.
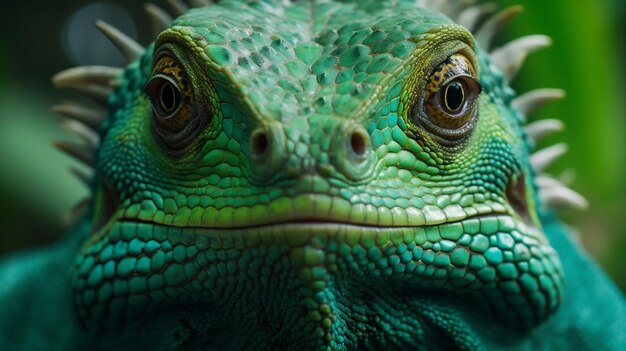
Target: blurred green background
[587,59]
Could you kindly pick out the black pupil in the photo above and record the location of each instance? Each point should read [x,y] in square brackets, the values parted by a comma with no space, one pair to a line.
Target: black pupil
[168,97]
[454,96]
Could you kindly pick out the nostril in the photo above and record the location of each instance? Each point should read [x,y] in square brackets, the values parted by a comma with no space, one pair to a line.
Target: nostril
[358,143]
[259,143]
[351,151]
[267,151]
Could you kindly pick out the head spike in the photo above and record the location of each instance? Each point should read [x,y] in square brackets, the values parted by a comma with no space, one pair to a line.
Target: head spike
[98,75]
[469,17]
[510,57]
[129,47]
[80,152]
[485,34]
[83,176]
[99,93]
[555,194]
[159,19]
[88,135]
[199,3]
[543,158]
[542,128]
[177,7]
[534,99]
[90,117]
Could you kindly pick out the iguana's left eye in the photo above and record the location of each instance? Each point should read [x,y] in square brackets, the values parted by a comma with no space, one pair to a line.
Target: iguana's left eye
[450,99]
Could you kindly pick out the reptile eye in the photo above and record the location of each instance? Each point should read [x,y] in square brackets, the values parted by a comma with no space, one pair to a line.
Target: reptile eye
[450,99]
[165,96]
[453,96]
[453,105]
[178,115]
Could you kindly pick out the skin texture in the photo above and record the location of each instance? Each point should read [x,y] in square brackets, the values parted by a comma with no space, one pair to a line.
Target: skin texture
[304,186]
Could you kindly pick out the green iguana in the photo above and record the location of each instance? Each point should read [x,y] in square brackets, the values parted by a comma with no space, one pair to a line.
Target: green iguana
[313,175]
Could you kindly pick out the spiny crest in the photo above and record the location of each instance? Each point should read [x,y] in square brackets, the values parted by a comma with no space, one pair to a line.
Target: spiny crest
[97,82]
[482,19]
[509,58]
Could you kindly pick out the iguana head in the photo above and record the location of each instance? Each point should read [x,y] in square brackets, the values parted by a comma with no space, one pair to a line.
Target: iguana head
[303,174]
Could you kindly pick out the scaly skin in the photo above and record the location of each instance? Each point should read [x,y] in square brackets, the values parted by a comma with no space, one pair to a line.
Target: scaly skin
[305,196]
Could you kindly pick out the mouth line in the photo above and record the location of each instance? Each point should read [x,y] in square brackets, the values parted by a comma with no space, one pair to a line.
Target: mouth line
[312,222]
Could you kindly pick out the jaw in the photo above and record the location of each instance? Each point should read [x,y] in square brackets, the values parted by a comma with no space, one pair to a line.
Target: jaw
[334,281]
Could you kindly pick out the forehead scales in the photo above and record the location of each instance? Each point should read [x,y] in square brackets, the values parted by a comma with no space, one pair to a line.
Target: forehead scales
[307,58]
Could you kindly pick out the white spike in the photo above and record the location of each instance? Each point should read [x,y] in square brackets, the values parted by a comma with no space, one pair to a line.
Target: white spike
[545,181]
[177,7]
[543,158]
[485,34]
[534,99]
[558,195]
[83,176]
[129,47]
[159,19]
[540,129]
[469,17]
[98,75]
[90,117]
[80,152]
[511,56]
[99,93]
[88,135]
[69,79]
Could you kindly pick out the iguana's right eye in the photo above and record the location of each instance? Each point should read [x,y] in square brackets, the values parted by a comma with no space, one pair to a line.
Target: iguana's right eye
[178,115]
[165,96]
[171,94]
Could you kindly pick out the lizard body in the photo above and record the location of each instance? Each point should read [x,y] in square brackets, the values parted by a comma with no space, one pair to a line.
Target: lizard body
[328,175]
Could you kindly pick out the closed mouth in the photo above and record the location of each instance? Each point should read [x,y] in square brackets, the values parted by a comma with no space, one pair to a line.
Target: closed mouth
[312,223]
